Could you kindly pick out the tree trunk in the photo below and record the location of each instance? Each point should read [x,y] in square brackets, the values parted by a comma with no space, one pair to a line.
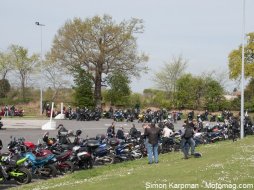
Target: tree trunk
[97,88]
[98,75]
[23,88]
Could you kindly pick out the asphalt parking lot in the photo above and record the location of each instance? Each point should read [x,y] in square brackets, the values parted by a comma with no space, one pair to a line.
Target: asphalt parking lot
[31,130]
[33,133]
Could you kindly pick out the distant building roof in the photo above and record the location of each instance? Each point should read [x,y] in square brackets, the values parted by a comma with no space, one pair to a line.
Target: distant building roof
[230,97]
[236,93]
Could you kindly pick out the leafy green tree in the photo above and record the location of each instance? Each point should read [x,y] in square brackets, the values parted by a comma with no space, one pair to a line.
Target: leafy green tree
[5,87]
[135,100]
[186,92]
[23,64]
[198,92]
[235,59]
[157,98]
[5,64]
[119,91]
[100,46]
[83,94]
[213,96]
[249,95]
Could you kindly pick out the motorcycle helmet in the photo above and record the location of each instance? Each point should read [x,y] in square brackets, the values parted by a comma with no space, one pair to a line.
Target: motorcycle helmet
[29,145]
[50,142]
[197,155]
[78,132]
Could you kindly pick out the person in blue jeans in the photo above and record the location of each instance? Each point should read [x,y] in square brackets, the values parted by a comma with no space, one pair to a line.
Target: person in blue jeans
[153,135]
[187,140]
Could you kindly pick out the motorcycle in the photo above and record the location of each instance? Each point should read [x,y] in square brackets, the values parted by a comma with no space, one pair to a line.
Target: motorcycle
[118,116]
[12,167]
[130,118]
[81,158]
[62,164]
[123,153]
[141,118]
[39,166]
[19,113]
[101,153]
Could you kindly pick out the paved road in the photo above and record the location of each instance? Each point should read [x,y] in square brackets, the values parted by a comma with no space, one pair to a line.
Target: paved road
[31,131]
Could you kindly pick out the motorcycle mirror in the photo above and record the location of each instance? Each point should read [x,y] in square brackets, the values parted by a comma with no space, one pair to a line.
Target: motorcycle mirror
[46,134]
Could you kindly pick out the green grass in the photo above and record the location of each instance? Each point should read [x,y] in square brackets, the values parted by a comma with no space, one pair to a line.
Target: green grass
[223,163]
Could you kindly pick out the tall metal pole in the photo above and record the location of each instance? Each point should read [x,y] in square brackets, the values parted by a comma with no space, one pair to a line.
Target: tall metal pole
[242,79]
[41,25]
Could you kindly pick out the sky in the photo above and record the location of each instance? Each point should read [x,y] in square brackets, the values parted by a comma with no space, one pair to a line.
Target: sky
[203,32]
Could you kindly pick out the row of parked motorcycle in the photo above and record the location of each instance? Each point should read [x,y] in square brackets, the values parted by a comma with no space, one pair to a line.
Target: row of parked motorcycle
[64,154]
[128,115]
[144,116]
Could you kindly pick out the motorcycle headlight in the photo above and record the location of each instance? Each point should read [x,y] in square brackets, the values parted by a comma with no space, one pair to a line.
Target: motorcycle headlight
[54,159]
[26,164]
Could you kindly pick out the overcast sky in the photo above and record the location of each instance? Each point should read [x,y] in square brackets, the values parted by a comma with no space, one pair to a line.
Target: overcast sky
[202,31]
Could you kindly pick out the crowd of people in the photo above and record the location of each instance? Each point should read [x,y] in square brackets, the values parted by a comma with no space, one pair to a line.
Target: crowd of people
[153,134]
[156,133]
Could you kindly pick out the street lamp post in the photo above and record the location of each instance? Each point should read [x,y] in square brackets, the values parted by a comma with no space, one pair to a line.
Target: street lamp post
[242,78]
[41,25]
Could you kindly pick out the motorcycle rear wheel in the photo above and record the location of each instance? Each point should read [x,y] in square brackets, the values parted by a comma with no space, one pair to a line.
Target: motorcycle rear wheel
[50,171]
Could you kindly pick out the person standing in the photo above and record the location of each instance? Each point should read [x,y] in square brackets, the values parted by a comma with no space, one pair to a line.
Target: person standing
[6,111]
[12,110]
[153,135]
[166,133]
[187,140]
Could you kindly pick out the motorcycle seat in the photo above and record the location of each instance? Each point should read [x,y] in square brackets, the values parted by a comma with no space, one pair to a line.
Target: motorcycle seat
[93,143]
[38,159]
[62,155]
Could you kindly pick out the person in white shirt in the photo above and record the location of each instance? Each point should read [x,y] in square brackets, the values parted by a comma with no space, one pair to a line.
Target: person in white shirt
[167,132]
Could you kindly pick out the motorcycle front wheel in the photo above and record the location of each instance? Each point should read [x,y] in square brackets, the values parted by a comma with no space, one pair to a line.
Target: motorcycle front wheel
[66,167]
[25,178]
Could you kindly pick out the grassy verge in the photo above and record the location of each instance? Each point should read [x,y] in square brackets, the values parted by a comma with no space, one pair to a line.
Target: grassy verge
[222,163]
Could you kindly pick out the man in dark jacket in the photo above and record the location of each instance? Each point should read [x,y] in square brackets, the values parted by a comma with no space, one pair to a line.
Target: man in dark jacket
[187,139]
[133,131]
[153,135]
[120,134]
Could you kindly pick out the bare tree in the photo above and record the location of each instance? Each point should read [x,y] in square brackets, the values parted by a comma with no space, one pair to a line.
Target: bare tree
[166,78]
[56,77]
